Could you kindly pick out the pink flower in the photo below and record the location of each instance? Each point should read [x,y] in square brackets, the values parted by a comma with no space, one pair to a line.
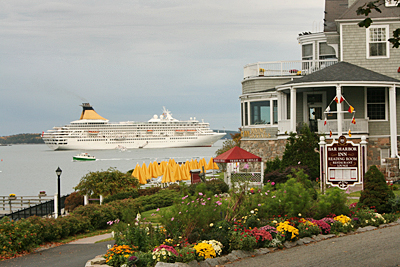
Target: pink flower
[266,193]
[158,209]
[200,193]
[172,218]
[273,183]
[259,205]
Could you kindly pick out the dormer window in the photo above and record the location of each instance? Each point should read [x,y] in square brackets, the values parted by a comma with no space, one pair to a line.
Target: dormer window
[377,41]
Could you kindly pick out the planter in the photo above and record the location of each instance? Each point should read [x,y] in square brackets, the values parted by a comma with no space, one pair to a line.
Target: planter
[12,198]
[42,195]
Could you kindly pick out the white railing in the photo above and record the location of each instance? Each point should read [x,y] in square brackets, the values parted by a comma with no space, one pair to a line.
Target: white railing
[9,204]
[361,126]
[286,68]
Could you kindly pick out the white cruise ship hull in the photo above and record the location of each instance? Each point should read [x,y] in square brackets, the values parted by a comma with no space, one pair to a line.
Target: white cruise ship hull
[93,132]
[133,143]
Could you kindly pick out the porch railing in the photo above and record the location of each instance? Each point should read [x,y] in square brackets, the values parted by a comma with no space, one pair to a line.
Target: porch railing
[361,126]
[286,68]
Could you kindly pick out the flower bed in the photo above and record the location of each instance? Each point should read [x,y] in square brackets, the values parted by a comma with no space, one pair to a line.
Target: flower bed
[205,226]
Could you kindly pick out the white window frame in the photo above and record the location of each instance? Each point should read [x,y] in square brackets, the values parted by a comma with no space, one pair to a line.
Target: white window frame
[366,105]
[386,27]
[271,105]
[390,3]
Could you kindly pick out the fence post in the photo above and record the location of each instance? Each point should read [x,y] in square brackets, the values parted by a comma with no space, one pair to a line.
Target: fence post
[56,205]
[101,199]
[85,200]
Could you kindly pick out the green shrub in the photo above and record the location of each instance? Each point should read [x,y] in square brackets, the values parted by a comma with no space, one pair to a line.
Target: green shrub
[376,192]
[290,198]
[17,236]
[394,203]
[149,191]
[333,202]
[121,195]
[215,186]
[163,198]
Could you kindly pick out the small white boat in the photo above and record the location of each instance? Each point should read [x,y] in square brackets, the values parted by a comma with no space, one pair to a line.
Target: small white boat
[84,157]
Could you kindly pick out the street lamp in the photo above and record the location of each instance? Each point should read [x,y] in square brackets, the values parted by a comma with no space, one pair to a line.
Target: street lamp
[58,172]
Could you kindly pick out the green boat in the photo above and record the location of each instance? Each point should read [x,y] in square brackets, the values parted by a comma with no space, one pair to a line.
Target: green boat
[84,157]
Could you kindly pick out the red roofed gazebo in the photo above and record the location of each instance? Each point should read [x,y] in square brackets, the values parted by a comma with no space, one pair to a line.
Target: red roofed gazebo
[238,155]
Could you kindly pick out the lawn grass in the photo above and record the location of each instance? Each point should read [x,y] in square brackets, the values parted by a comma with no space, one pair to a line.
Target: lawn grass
[153,216]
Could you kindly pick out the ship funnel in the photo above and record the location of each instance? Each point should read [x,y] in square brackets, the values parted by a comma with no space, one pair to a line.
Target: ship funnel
[88,113]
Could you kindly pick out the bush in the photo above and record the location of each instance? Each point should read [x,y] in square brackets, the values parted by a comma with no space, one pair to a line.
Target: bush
[376,192]
[73,201]
[215,186]
[333,202]
[148,191]
[122,195]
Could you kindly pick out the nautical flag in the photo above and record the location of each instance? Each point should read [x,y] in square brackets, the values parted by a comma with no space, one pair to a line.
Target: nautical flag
[330,133]
[325,122]
[351,109]
[336,99]
[349,133]
[353,121]
[341,99]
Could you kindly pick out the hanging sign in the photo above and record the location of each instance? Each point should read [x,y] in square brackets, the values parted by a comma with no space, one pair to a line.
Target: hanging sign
[343,162]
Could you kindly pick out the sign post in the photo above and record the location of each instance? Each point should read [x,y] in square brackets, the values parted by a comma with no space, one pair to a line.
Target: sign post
[342,163]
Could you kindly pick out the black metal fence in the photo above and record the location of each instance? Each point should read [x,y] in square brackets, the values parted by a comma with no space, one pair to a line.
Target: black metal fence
[42,209]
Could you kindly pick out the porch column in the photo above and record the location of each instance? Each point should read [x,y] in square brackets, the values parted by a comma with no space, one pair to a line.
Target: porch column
[292,109]
[339,109]
[393,121]
[280,105]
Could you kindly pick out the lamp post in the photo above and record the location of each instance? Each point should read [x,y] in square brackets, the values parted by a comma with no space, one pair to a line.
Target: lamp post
[58,172]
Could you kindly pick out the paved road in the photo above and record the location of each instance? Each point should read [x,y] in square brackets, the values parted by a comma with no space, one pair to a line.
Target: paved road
[74,254]
[379,247]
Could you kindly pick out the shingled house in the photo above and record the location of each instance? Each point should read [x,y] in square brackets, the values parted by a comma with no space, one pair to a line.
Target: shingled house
[345,68]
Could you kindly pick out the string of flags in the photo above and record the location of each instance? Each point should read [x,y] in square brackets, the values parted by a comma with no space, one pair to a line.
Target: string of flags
[350,110]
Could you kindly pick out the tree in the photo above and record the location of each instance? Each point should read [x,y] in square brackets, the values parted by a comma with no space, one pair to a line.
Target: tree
[302,150]
[367,8]
[376,192]
[106,183]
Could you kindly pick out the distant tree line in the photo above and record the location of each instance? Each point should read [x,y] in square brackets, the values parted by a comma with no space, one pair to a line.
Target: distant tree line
[21,139]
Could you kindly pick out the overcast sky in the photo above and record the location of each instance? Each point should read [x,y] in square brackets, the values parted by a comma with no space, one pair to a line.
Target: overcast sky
[128,59]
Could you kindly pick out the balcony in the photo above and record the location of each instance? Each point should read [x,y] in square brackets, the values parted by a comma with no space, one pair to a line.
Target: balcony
[286,68]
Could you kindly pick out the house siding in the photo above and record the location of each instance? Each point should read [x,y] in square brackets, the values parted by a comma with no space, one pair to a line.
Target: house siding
[261,84]
[355,97]
[355,51]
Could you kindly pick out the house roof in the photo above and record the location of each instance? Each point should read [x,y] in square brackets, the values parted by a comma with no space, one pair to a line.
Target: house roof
[333,10]
[344,72]
[387,12]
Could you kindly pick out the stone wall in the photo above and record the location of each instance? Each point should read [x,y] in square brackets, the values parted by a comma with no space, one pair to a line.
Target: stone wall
[267,149]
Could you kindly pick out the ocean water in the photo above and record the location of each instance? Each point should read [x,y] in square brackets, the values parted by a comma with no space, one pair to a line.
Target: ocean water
[25,170]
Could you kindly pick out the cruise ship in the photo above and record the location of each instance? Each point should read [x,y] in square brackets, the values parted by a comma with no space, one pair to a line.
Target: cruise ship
[92,132]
